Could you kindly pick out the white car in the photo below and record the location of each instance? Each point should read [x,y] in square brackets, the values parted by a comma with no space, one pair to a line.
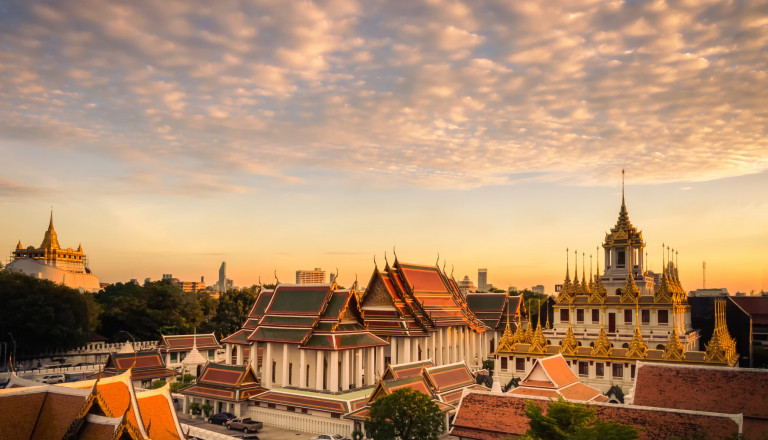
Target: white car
[328,437]
[54,378]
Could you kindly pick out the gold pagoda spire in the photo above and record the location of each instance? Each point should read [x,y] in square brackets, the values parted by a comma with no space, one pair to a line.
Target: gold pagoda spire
[538,341]
[598,290]
[591,275]
[528,336]
[630,293]
[576,285]
[638,349]
[566,291]
[722,347]
[508,340]
[602,346]
[662,293]
[584,287]
[569,345]
[50,241]
[674,350]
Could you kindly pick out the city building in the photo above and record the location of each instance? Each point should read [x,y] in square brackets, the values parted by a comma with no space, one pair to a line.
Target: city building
[466,285]
[224,283]
[602,333]
[538,289]
[316,276]
[482,280]
[709,292]
[186,286]
[756,309]
[52,262]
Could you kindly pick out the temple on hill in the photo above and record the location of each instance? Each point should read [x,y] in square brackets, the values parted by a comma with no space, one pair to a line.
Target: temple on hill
[603,325]
[51,262]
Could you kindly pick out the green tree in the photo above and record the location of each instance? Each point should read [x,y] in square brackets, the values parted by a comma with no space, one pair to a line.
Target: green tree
[406,414]
[43,315]
[572,421]
[148,311]
[233,308]
[532,300]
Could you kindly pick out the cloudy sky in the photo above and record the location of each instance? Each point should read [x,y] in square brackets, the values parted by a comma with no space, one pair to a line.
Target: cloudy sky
[278,135]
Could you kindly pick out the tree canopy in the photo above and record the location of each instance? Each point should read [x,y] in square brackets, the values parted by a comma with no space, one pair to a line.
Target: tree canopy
[43,315]
[406,414]
[572,421]
[232,310]
[147,311]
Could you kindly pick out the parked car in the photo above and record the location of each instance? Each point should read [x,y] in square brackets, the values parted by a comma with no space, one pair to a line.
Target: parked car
[328,437]
[54,378]
[244,424]
[221,418]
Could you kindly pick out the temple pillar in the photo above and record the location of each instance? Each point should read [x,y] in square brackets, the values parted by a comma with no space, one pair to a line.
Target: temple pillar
[379,364]
[253,356]
[266,378]
[239,349]
[302,369]
[319,364]
[285,379]
[228,354]
[440,347]
[345,371]
[475,357]
[359,367]
[334,379]
[460,340]
[432,349]
[406,349]
[167,358]
[370,375]
[392,351]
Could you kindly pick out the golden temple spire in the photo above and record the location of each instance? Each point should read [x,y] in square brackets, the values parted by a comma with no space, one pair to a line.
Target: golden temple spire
[576,271]
[546,302]
[538,341]
[722,347]
[584,285]
[602,346]
[638,349]
[569,345]
[630,292]
[674,350]
[598,290]
[566,290]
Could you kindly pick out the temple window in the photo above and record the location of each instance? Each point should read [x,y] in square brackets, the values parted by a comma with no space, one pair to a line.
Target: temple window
[618,371]
[579,315]
[599,369]
[274,370]
[290,373]
[595,316]
[628,316]
[564,315]
[632,371]
[174,357]
[584,369]
[663,317]
[504,362]
[307,377]
[621,260]
[646,315]
[291,408]
[520,364]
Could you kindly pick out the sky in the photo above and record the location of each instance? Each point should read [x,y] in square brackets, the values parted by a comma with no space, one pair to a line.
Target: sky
[171,136]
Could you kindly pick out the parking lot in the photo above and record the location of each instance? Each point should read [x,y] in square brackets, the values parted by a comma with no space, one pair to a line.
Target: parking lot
[267,433]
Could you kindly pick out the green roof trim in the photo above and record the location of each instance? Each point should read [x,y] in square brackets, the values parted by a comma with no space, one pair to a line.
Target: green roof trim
[298,299]
[295,321]
[357,340]
[279,334]
[323,341]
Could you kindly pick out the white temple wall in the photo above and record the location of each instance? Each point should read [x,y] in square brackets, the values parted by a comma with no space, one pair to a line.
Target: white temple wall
[314,422]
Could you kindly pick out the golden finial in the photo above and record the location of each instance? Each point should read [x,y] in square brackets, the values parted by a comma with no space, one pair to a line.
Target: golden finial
[277,281]
[547,307]
[622,186]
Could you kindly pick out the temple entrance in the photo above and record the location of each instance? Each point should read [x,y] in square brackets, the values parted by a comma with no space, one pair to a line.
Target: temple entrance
[611,322]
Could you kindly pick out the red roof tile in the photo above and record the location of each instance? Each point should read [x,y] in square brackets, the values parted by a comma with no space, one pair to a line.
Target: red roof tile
[715,389]
[496,416]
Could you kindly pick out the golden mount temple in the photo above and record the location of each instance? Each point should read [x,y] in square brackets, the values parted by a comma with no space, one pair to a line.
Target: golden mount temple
[52,262]
[604,324]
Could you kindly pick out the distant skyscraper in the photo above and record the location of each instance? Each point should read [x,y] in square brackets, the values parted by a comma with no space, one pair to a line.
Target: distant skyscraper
[222,285]
[482,280]
[316,276]
[538,289]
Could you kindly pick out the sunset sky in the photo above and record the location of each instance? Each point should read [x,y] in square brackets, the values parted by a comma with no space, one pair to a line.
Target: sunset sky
[170,136]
